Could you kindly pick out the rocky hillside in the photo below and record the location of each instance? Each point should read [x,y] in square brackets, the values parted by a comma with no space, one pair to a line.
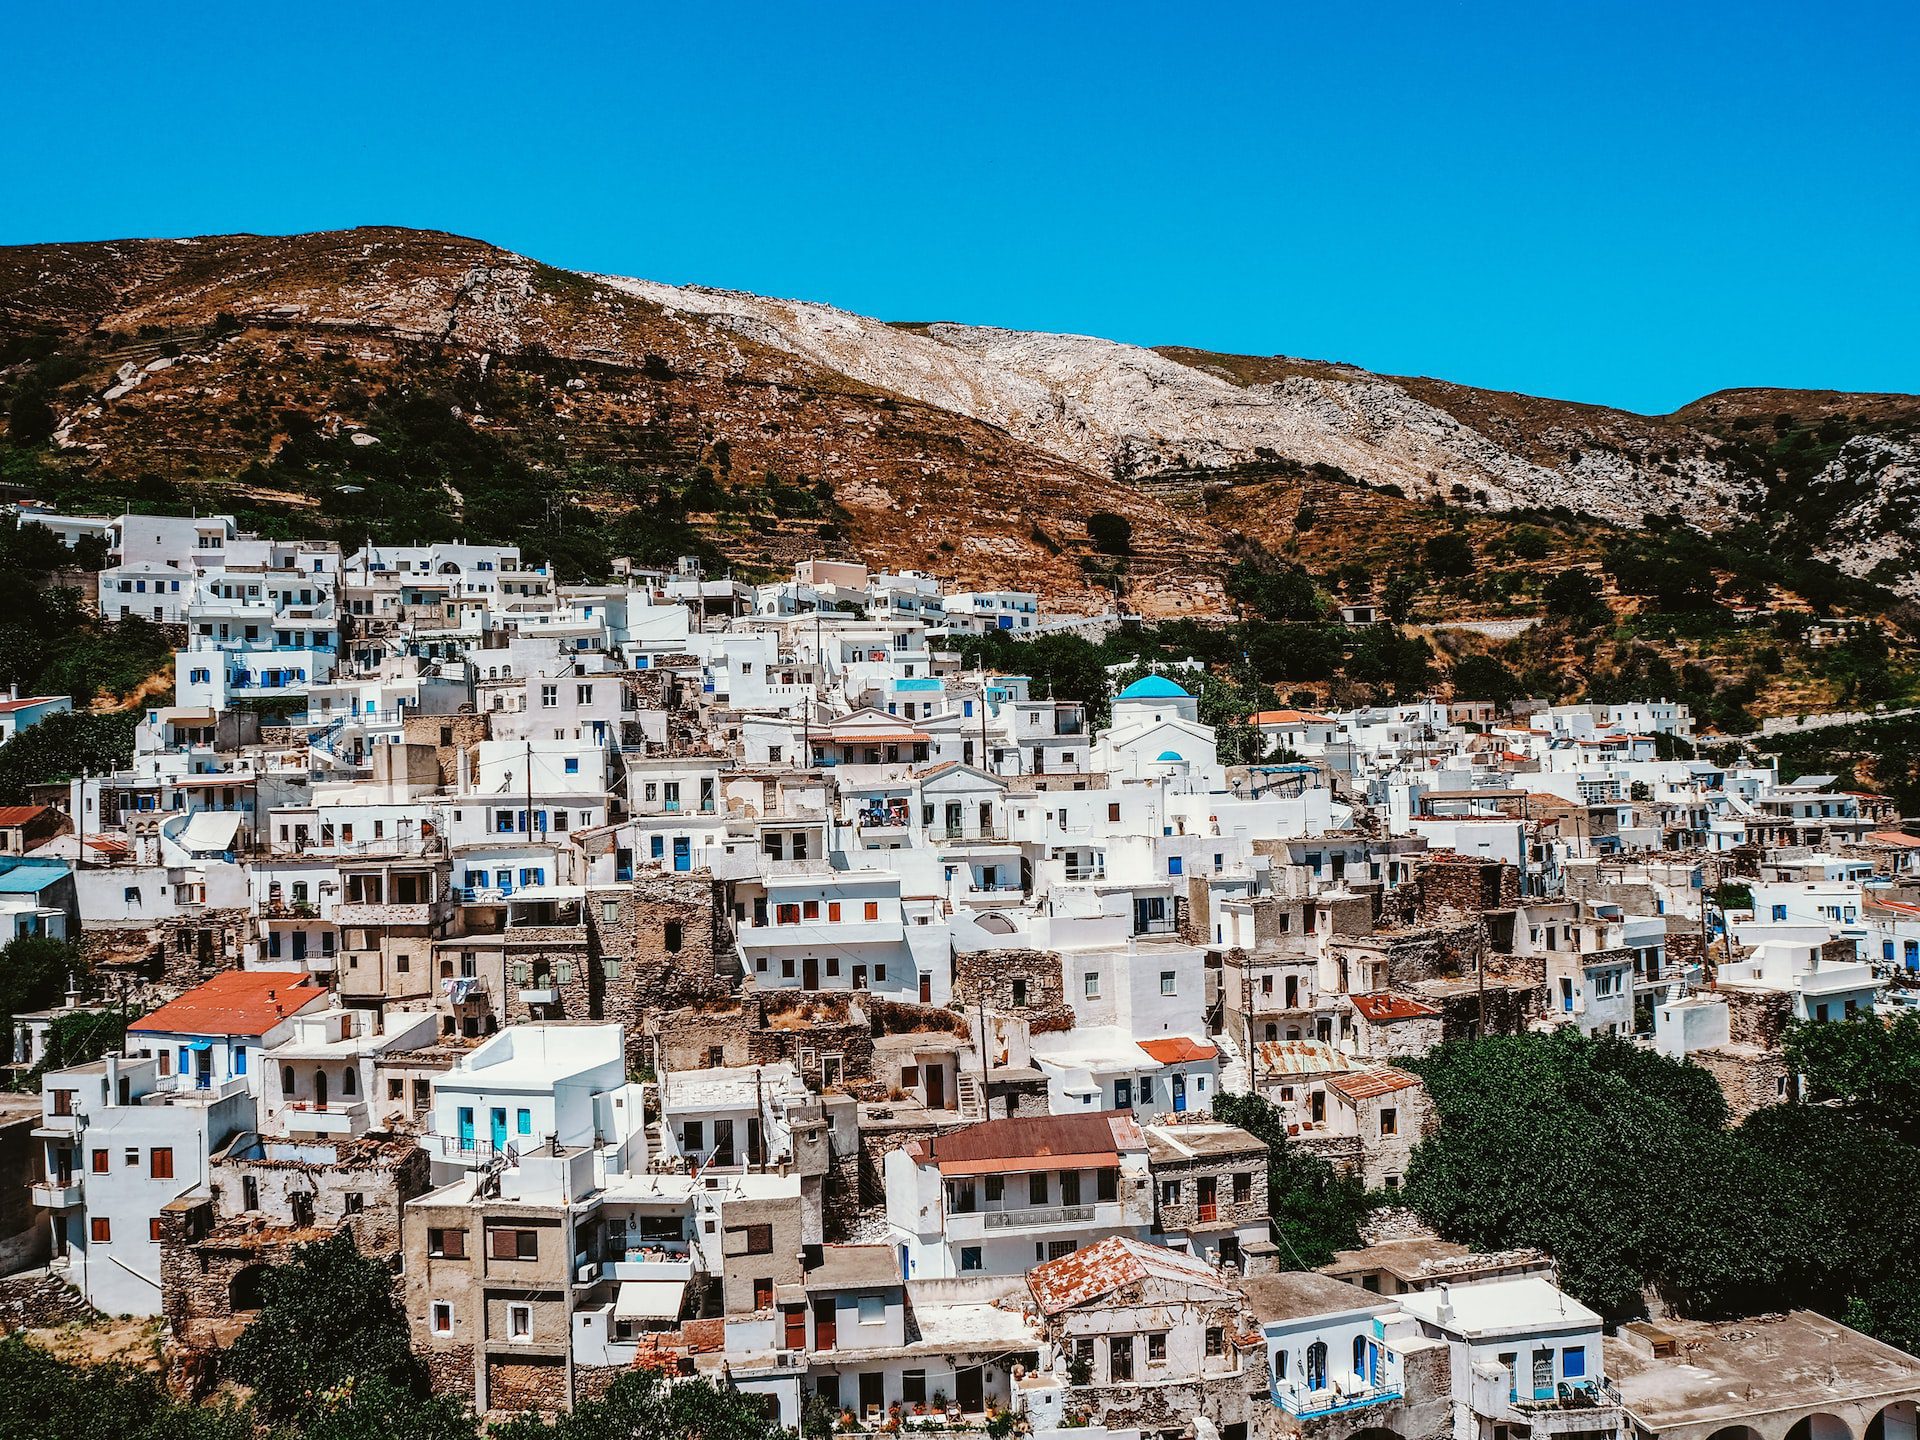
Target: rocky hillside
[301,373]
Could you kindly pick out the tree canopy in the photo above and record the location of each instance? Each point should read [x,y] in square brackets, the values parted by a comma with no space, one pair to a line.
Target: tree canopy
[1316,1211]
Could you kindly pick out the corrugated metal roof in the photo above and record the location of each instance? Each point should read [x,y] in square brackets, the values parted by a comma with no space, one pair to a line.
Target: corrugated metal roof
[1103,1268]
[1087,1141]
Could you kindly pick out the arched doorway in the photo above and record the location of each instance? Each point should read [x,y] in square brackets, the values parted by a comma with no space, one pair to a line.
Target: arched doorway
[320,1088]
[245,1290]
[1821,1426]
[1735,1432]
[1895,1422]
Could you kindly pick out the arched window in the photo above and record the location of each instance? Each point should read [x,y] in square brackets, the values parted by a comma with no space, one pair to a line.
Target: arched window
[286,1079]
[349,1083]
[1360,1356]
[1317,1365]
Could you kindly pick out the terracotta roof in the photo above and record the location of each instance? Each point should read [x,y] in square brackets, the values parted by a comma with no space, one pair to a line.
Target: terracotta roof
[1033,1142]
[235,1002]
[7,707]
[1103,1268]
[1384,1007]
[20,814]
[1291,717]
[1369,1084]
[1177,1049]
[1878,837]
[1300,1057]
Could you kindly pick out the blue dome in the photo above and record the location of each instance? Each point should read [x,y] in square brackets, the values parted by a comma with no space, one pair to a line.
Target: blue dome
[1173,755]
[1154,687]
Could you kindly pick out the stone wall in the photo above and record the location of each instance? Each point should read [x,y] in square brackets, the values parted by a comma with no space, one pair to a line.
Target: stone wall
[987,976]
[1451,884]
[1750,1078]
[529,1384]
[1757,1018]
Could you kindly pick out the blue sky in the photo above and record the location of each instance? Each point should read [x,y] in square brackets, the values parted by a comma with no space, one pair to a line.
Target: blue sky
[1632,205]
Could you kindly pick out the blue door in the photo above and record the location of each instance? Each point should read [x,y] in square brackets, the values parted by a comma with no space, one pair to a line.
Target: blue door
[466,1127]
[497,1128]
[1179,1092]
[682,853]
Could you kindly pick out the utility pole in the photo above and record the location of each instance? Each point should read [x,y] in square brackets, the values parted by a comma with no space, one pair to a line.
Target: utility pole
[529,792]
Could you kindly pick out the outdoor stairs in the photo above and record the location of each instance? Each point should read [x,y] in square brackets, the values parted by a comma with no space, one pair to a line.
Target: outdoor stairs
[972,1100]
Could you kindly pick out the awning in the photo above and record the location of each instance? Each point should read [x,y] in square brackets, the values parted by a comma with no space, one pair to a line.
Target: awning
[210,832]
[650,1300]
[200,1045]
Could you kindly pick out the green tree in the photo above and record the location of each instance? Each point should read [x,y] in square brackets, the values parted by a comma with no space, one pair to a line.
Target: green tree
[34,973]
[1450,555]
[1111,534]
[1316,1211]
[1871,1069]
[330,1320]
[1481,677]
[644,1405]
[61,747]
[1574,596]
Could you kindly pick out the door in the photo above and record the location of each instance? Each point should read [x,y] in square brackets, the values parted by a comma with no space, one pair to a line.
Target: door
[722,1142]
[466,1127]
[936,1088]
[969,1390]
[796,1337]
[872,1392]
[1179,1092]
[824,1332]
[926,989]
[1123,1094]
[682,853]
[497,1128]
[810,972]
[320,1088]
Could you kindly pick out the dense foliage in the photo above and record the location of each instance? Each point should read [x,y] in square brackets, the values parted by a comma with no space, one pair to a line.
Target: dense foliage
[1880,755]
[34,972]
[1620,1162]
[1316,1211]
[49,643]
[63,746]
[327,1359]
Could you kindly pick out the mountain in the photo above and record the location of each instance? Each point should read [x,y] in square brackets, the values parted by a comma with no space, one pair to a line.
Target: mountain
[398,378]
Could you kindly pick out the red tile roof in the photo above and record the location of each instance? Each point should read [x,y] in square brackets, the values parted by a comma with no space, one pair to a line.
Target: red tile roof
[1177,1049]
[1032,1142]
[235,1002]
[1370,1084]
[7,707]
[1384,1007]
[1291,717]
[1878,837]
[1103,1268]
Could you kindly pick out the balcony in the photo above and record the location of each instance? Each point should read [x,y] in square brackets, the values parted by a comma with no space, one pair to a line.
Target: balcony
[1334,1400]
[1039,1216]
[645,1263]
[540,995]
[303,1117]
[57,1194]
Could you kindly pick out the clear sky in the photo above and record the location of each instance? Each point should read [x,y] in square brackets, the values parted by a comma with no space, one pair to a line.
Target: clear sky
[1626,204]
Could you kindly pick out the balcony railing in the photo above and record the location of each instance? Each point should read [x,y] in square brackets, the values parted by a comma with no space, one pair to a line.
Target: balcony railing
[1038,1215]
[1311,1404]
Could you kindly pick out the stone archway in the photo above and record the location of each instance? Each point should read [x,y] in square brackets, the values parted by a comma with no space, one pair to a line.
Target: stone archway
[1821,1426]
[245,1291]
[1894,1422]
[1376,1432]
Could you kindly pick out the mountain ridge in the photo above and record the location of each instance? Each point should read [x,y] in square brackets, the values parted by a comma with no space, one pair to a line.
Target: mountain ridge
[977,451]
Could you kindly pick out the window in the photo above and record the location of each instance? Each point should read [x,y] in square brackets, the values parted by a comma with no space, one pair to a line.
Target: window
[153,1229]
[504,1244]
[1168,984]
[873,910]
[1573,1362]
[520,1322]
[100,1229]
[549,697]
[1242,1188]
[913,1387]
[447,1244]
[160,1162]
[102,1162]
[759,1240]
[1120,1358]
[1175,864]
[442,1318]
[1157,1349]
[572,765]
[970,1261]
[1092,984]
[523,1121]
[609,912]
[1169,1192]
[1216,1340]
[693,1135]
[1389,1121]
[1113,811]
[873,1309]
[353,1202]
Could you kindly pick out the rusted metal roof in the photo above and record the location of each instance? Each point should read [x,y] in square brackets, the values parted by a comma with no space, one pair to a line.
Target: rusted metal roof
[1300,1057]
[1033,1142]
[1177,1049]
[1371,1083]
[1383,1007]
[1104,1268]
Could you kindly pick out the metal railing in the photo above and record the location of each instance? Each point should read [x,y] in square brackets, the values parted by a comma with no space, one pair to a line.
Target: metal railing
[1038,1215]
